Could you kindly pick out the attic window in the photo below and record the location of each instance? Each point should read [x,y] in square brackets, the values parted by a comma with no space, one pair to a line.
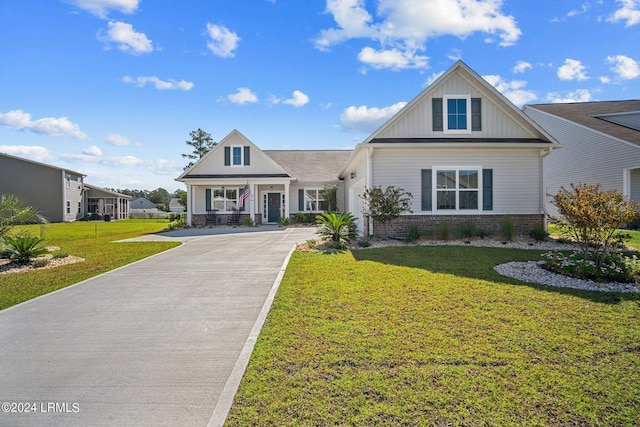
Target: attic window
[457,114]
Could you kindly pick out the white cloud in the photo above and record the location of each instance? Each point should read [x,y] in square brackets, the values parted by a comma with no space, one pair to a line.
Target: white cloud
[391,58]
[126,38]
[93,151]
[367,119]
[433,77]
[51,126]
[31,152]
[402,27]
[159,84]
[244,95]
[514,90]
[100,8]
[626,68]
[572,70]
[629,12]
[521,67]
[222,42]
[297,100]
[580,95]
[118,140]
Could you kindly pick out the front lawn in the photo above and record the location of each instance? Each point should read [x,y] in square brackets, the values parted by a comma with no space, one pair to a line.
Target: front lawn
[433,336]
[92,241]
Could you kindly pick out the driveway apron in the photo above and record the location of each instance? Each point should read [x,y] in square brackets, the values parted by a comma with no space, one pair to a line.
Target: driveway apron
[152,343]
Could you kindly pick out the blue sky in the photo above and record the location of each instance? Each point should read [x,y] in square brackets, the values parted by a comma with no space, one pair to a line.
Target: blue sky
[112,88]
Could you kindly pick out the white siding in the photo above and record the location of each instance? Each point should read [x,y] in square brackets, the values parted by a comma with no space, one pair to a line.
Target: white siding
[516,173]
[635,185]
[359,167]
[496,122]
[587,157]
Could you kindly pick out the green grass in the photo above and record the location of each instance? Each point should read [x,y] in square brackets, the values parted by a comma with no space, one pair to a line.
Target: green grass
[90,240]
[432,336]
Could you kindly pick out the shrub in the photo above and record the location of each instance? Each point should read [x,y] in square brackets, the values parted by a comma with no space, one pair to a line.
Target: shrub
[538,233]
[340,228]
[414,234]
[507,228]
[364,243]
[444,231]
[248,222]
[384,206]
[616,266]
[59,254]
[312,243]
[467,231]
[591,217]
[283,221]
[22,248]
[40,262]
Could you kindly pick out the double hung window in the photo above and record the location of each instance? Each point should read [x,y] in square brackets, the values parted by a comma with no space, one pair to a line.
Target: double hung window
[225,199]
[314,200]
[457,189]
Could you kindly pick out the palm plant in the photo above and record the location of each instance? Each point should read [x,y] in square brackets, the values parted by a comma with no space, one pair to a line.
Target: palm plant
[16,211]
[22,248]
[339,227]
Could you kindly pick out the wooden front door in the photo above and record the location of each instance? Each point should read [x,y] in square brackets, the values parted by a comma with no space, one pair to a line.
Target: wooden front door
[273,207]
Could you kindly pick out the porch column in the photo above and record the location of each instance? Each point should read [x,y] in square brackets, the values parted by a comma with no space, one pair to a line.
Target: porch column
[189,204]
[286,200]
[252,202]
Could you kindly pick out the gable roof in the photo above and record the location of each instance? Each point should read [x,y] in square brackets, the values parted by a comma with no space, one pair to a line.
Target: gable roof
[142,203]
[594,115]
[532,129]
[104,190]
[311,165]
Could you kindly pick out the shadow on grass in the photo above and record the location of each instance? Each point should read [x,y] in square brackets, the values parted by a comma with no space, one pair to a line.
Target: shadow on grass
[477,263]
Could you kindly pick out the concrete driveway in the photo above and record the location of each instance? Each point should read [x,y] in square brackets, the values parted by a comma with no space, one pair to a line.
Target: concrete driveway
[163,341]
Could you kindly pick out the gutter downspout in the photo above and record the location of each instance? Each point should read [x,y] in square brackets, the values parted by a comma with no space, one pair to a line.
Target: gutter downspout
[369,181]
[543,154]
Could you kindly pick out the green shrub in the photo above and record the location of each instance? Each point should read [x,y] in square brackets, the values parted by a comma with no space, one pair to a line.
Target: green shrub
[616,266]
[467,231]
[538,233]
[507,228]
[444,231]
[312,243]
[283,221]
[364,243]
[40,262]
[248,222]
[339,228]
[22,248]
[59,254]
[414,234]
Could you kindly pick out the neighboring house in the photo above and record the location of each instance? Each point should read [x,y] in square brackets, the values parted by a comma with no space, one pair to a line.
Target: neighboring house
[106,202]
[57,193]
[175,205]
[142,205]
[466,153]
[601,145]
[237,177]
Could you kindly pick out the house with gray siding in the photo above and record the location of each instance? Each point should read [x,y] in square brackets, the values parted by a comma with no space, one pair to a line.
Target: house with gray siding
[59,194]
[601,145]
[56,192]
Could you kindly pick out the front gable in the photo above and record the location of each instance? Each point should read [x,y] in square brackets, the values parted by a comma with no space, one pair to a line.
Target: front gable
[459,105]
[234,156]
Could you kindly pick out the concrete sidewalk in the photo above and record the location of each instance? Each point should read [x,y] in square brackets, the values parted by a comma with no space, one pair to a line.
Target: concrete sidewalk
[152,343]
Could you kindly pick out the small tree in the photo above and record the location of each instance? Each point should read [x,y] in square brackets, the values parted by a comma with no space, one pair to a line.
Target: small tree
[16,211]
[339,227]
[201,142]
[592,216]
[387,205]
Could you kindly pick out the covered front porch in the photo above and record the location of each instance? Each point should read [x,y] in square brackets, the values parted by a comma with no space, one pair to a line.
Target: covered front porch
[236,202]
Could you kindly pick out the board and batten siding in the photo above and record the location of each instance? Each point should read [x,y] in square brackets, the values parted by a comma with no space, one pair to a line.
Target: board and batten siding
[496,122]
[588,157]
[516,174]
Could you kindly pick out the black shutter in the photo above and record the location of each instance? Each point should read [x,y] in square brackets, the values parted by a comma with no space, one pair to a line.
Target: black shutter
[426,189]
[487,189]
[301,200]
[247,149]
[476,114]
[207,196]
[227,156]
[436,106]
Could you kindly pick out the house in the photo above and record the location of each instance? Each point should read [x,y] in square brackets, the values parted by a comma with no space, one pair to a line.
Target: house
[106,202]
[237,177]
[601,145]
[466,153]
[142,205]
[57,193]
[175,205]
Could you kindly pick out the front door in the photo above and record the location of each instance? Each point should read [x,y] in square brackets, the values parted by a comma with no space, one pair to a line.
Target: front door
[273,207]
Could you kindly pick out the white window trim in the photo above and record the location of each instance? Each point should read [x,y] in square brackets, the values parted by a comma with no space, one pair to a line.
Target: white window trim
[445,115]
[457,169]
[317,199]
[213,203]
[233,147]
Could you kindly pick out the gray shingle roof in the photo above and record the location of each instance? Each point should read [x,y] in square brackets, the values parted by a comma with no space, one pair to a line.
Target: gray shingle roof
[586,114]
[311,165]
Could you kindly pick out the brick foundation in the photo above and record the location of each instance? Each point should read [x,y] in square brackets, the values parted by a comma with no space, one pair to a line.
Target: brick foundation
[200,220]
[429,224]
